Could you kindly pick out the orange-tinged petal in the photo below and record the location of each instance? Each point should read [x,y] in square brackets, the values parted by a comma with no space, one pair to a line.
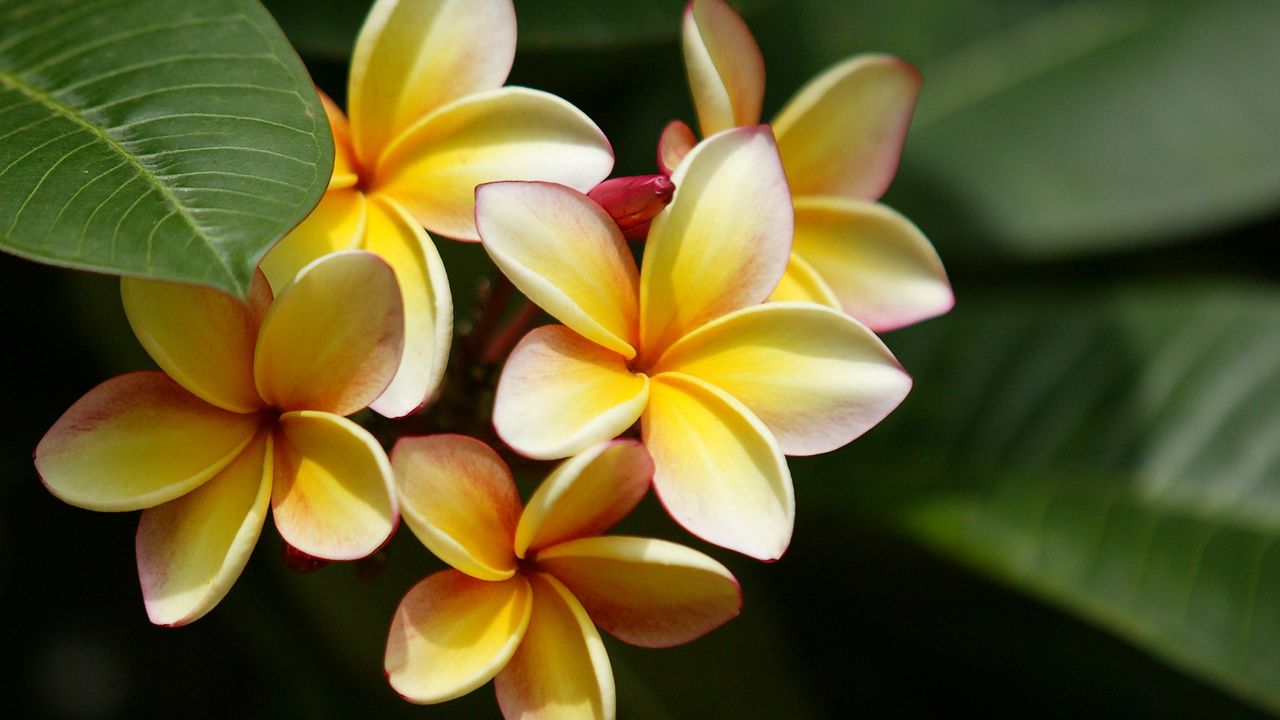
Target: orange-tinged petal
[452,633]
[842,134]
[726,70]
[507,134]
[722,243]
[346,171]
[136,441]
[201,337]
[717,469]
[877,263]
[414,56]
[676,142]
[428,305]
[566,254]
[801,283]
[337,223]
[816,377]
[191,550]
[333,338]
[651,593]
[560,671]
[333,494]
[459,498]
[586,495]
[559,394]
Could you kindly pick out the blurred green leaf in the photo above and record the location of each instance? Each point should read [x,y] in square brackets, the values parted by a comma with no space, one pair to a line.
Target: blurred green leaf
[155,138]
[1115,453]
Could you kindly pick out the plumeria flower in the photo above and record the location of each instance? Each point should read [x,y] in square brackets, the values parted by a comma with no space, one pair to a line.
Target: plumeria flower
[248,412]
[722,385]
[429,121]
[840,138]
[530,586]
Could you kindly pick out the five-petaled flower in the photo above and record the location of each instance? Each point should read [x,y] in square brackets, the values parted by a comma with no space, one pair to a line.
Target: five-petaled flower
[429,121]
[529,586]
[722,384]
[249,412]
[840,139]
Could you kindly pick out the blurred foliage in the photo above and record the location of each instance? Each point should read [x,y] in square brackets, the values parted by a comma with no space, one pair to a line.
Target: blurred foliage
[1094,426]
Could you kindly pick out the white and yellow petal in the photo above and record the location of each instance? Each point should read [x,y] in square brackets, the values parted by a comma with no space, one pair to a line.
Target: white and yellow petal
[717,469]
[816,377]
[585,495]
[561,670]
[136,441]
[428,306]
[333,338]
[337,223]
[346,169]
[459,498]
[802,283]
[725,68]
[651,593]
[560,393]
[842,134]
[452,633]
[507,134]
[191,550]
[333,494]
[674,144]
[414,56]
[566,254]
[880,267]
[200,337]
[723,242]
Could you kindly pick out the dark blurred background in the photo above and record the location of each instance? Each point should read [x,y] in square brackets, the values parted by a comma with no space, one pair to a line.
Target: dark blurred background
[1071,515]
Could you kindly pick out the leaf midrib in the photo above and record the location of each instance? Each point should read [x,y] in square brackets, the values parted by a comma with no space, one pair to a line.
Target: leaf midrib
[13,82]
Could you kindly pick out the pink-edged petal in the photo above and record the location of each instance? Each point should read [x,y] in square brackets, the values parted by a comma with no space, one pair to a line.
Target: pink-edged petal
[717,468]
[651,593]
[676,142]
[346,170]
[802,283]
[458,497]
[428,305]
[816,377]
[200,337]
[842,134]
[452,633]
[333,338]
[414,56]
[722,243]
[561,670]
[333,494]
[191,550]
[507,134]
[586,495]
[881,268]
[136,441]
[565,253]
[725,68]
[337,223]
[560,393]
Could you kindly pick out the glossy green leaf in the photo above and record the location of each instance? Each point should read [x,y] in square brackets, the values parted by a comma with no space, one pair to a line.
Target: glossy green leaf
[1115,453]
[1052,128]
[156,138]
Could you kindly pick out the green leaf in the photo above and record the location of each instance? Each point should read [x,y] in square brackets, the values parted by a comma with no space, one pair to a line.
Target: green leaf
[156,138]
[1050,129]
[1114,453]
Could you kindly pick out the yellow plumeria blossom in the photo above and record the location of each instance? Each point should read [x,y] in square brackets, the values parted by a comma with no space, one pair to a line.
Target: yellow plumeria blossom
[722,384]
[249,412]
[530,586]
[430,120]
[840,138]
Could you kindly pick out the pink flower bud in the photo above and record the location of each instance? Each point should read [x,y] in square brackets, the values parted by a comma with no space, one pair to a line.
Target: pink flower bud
[633,201]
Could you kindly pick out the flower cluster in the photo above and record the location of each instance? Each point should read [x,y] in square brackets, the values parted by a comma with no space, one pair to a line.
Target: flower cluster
[745,333]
